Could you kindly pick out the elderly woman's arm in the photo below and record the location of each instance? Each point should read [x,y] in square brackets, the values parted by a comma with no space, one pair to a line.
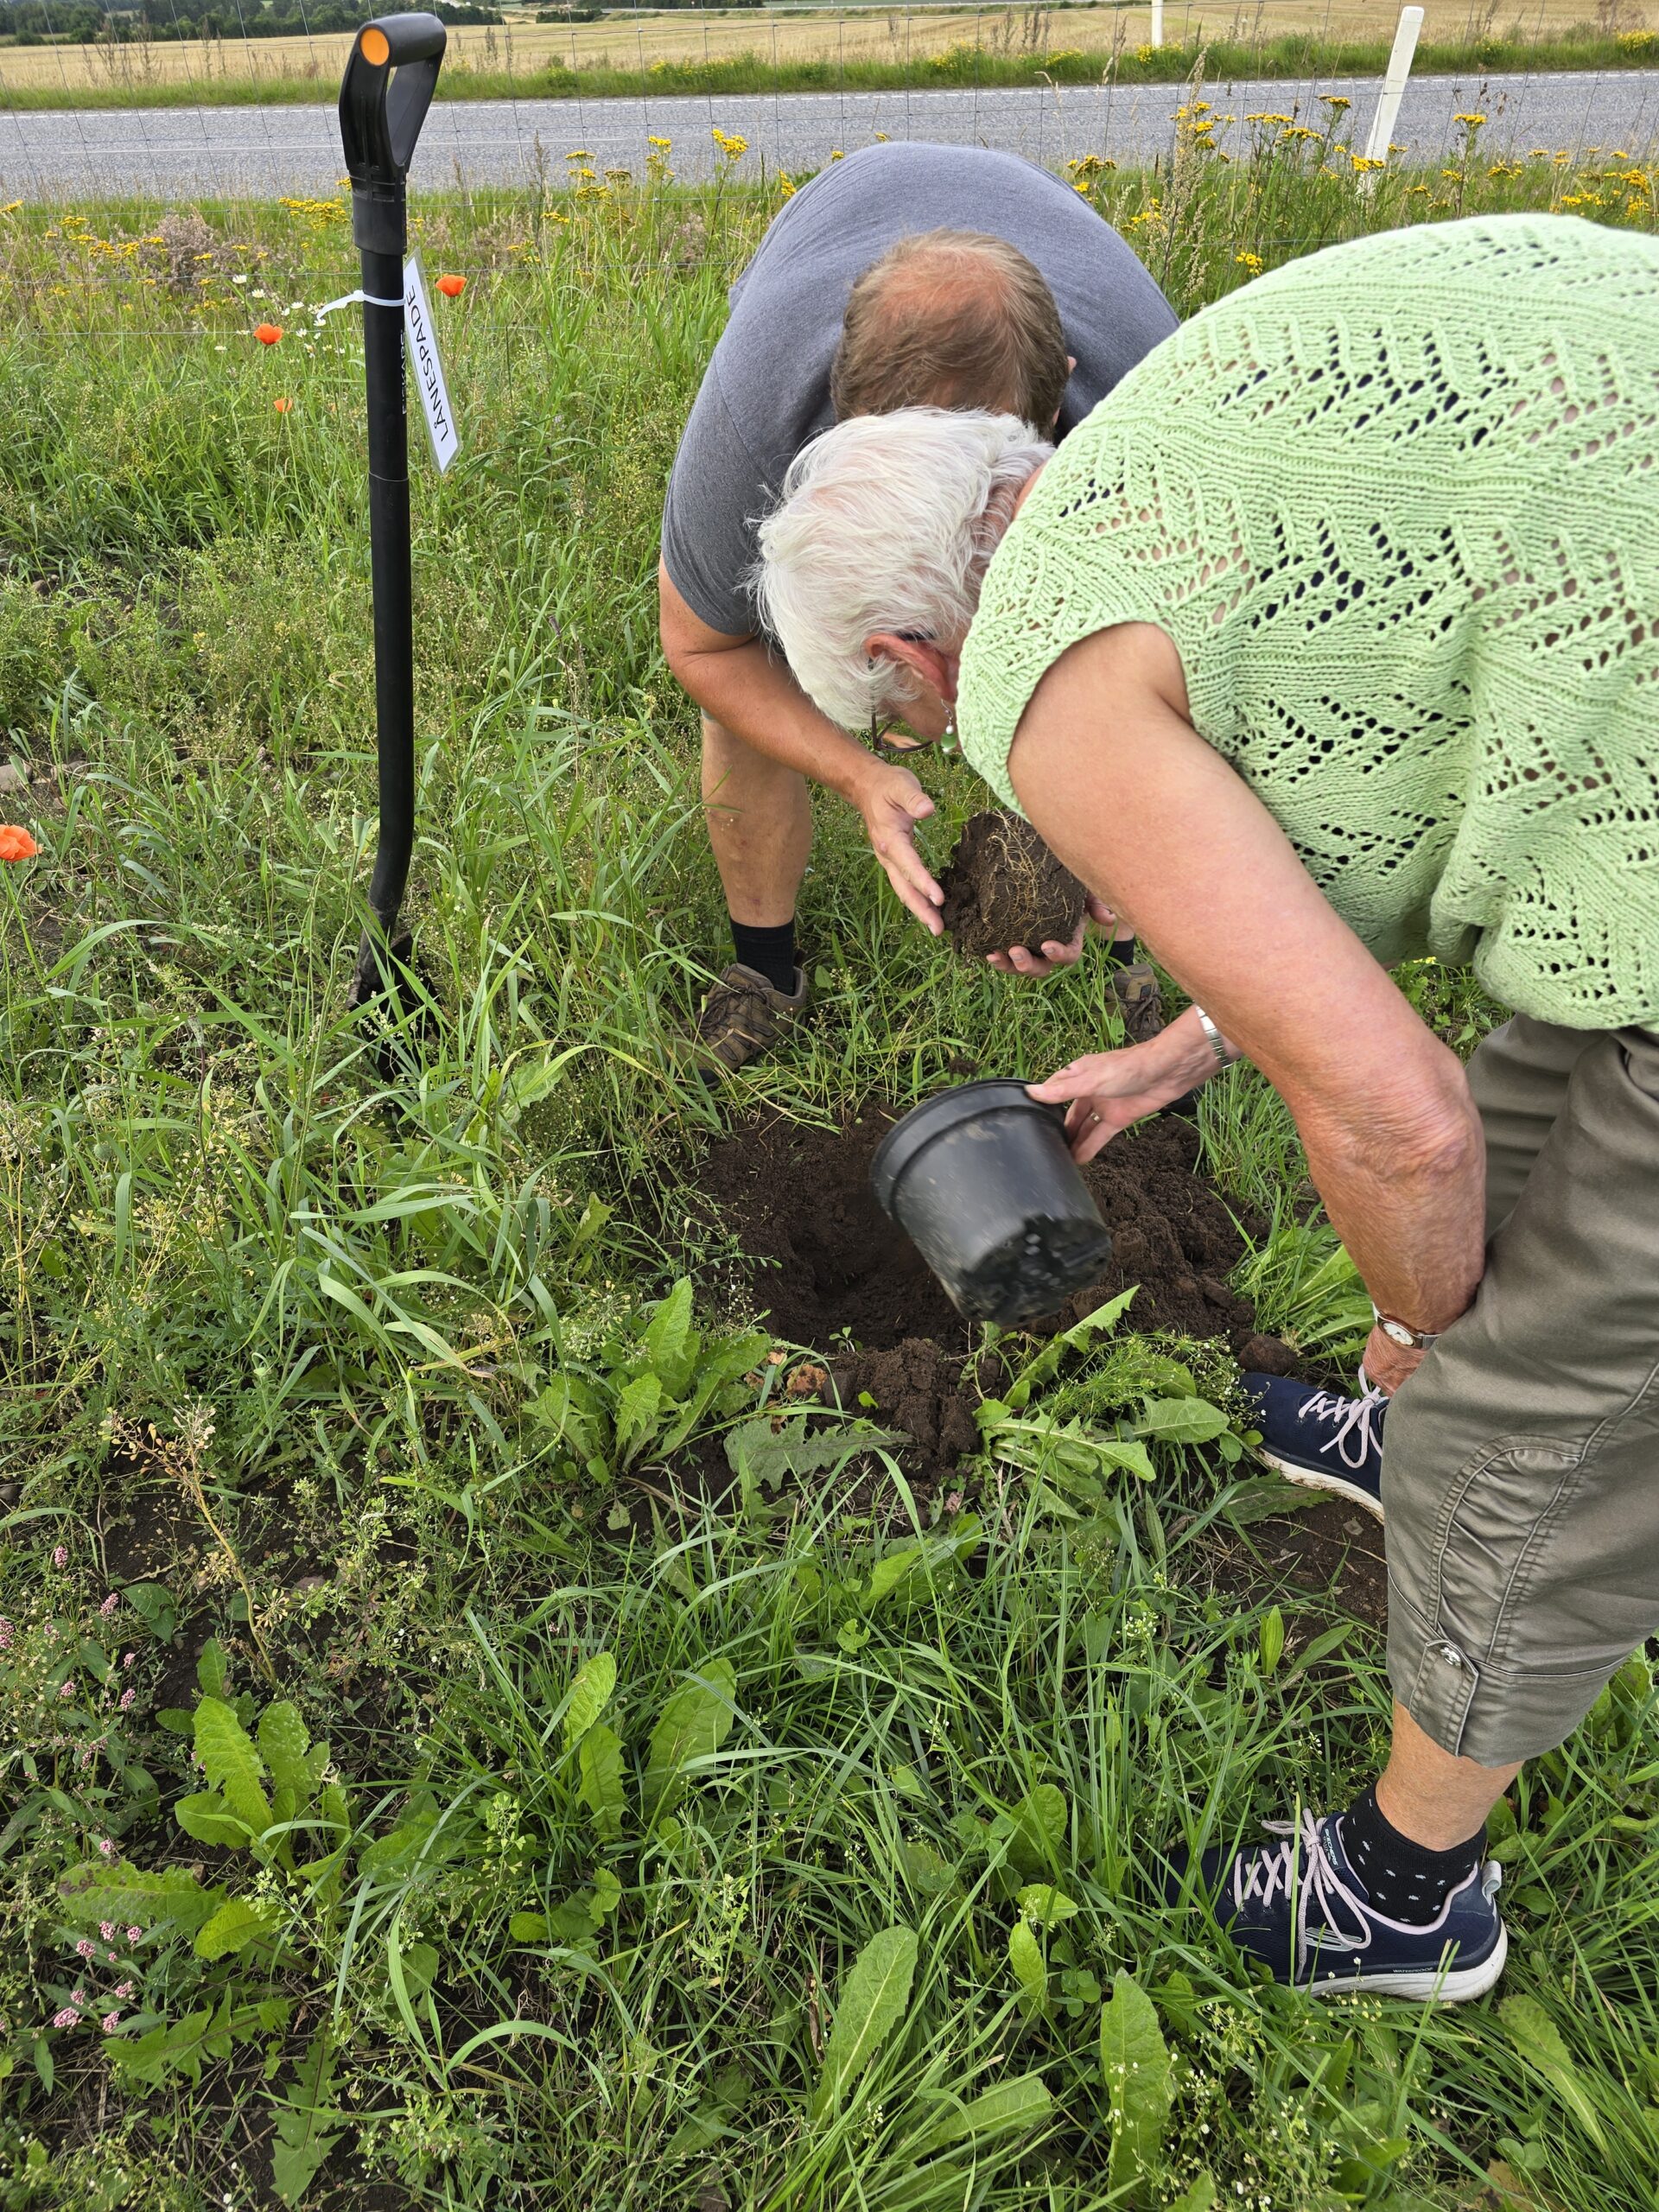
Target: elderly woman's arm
[1114,777]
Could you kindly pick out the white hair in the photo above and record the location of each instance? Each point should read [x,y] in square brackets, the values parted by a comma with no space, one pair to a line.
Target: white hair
[887,523]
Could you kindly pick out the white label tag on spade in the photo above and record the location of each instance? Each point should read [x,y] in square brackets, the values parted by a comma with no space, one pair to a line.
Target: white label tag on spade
[428,369]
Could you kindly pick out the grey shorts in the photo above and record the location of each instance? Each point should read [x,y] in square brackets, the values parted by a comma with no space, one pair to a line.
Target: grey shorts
[1520,1465]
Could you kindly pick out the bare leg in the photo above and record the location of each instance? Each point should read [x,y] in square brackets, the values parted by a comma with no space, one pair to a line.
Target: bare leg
[1436,1799]
[759,817]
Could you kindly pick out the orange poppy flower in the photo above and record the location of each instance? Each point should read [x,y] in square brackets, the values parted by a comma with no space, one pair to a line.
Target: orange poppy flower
[283,406]
[268,333]
[452,287]
[15,844]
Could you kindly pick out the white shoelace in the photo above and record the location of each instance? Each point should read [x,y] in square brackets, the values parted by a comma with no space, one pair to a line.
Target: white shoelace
[1302,1868]
[1357,1438]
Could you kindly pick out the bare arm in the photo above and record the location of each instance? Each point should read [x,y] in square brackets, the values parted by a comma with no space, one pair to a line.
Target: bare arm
[1114,775]
[750,692]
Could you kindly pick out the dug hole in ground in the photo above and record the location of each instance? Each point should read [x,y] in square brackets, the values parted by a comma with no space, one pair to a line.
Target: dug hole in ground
[832,1273]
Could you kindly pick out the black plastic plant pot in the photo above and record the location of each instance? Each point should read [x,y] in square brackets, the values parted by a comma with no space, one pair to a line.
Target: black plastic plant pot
[981,1180]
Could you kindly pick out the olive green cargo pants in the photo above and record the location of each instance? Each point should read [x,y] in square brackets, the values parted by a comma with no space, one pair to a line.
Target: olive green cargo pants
[1521,1461]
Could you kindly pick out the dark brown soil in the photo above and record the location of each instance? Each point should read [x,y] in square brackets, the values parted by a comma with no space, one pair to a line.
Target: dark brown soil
[918,1388]
[1173,1236]
[830,1270]
[831,1266]
[1002,887]
[1329,1550]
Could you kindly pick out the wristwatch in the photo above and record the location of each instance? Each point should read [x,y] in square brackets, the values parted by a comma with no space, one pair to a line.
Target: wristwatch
[1402,1333]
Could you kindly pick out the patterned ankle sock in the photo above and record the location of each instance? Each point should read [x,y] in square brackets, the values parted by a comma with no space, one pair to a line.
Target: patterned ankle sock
[1402,1880]
[769,952]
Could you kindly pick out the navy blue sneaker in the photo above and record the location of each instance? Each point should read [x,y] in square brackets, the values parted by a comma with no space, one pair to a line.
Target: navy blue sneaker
[1299,1906]
[1321,1438]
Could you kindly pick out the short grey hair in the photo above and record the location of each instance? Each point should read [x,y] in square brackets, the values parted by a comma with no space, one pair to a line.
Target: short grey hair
[887,523]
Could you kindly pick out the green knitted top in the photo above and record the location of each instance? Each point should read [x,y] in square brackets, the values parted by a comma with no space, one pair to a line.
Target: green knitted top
[1397,505]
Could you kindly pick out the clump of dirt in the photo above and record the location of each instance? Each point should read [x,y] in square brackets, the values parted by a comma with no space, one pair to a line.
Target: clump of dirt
[916,1387]
[1003,887]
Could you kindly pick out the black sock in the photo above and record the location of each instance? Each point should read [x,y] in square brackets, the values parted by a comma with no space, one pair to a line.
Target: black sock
[1120,952]
[1402,1880]
[771,952]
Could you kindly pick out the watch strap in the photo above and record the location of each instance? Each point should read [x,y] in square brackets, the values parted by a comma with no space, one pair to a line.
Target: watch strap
[1402,1332]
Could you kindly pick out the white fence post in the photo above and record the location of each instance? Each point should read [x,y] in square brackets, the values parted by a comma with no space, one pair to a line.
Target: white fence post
[1393,85]
[1157,38]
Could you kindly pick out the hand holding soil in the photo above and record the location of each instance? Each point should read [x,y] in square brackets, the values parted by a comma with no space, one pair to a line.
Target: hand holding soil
[1006,895]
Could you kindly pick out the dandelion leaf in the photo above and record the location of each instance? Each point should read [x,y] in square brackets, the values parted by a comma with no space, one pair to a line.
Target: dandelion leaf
[695,1723]
[231,1763]
[872,2001]
[1134,2062]
[589,1695]
[599,1764]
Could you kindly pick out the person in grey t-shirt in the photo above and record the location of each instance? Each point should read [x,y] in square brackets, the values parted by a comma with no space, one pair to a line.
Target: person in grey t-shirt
[907,275]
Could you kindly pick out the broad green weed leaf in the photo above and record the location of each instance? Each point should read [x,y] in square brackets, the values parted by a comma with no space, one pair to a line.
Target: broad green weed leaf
[605,1896]
[528,1927]
[1262,1497]
[636,1407]
[420,1967]
[1026,1957]
[670,1343]
[1199,2198]
[589,1695]
[207,1819]
[1181,1421]
[301,2144]
[211,1668]
[754,1449]
[1321,1648]
[872,2002]
[887,1573]
[598,1762]
[1100,1322]
[284,1739]
[925,1869]
[231,1763]
[1035,1830]
[132,1894]
[1021,2104]
[1270,1639]
[695,1723]
[157,1605]
[1044,1906]
[707,2127]
[233,1928]
[1134,2062]
[1537,2037]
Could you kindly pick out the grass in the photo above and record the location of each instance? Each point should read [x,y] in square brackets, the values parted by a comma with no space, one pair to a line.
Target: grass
[871,50]
[789,1847]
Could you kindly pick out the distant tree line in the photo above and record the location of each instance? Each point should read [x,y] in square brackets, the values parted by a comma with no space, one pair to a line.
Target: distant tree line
[32,21]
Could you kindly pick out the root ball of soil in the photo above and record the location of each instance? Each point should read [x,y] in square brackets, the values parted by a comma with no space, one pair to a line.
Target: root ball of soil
[1003,887]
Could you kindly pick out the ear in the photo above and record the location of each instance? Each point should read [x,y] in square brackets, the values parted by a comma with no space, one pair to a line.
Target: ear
[936,667]
[1071,371]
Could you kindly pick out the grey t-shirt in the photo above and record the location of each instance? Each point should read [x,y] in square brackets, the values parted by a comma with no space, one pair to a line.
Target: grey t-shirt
[767,390]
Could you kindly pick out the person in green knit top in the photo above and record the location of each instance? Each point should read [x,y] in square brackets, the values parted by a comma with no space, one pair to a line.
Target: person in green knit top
[1330,638]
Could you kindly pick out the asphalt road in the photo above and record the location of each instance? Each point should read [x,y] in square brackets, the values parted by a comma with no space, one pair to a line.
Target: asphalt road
[187,153]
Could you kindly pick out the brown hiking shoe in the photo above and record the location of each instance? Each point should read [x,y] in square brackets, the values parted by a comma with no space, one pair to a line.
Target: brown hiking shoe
[743,1016]
[1139,1001]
